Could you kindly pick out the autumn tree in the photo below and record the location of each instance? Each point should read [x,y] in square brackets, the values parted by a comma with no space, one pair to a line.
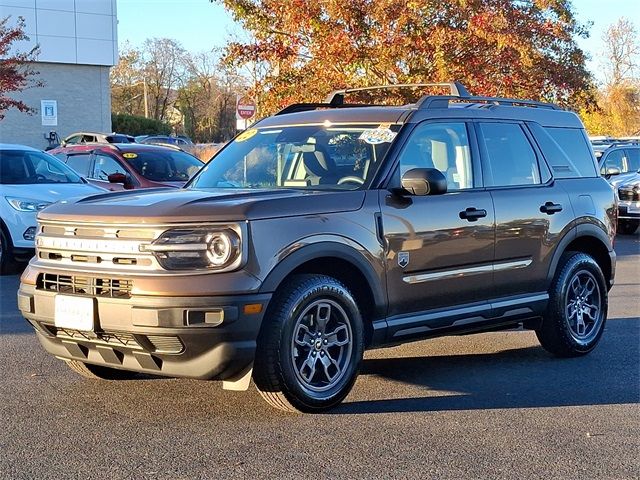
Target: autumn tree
[617,112]
[16,72]
[173,80]
[514,48]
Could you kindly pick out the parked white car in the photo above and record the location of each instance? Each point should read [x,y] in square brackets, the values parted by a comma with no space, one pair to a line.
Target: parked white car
[30,180]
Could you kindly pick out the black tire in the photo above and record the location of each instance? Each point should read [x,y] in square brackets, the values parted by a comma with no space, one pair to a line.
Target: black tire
[628,227]
[99,372]
[7,262]
[292,345]
[571,325]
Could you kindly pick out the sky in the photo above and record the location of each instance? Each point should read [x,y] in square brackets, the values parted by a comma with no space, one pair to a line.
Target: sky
[200,25]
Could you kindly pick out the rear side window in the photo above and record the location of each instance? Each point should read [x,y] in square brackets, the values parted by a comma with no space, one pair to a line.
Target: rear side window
[512,159]
[567,151]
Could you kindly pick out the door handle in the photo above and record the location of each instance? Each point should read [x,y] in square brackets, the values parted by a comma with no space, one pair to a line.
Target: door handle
[550,208]
[472,214]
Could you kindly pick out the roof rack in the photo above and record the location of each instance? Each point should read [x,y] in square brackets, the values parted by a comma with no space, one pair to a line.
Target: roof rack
[457,93]
[456,89]
[442,101]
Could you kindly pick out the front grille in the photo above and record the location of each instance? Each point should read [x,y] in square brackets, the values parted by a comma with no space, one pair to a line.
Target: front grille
[80,285]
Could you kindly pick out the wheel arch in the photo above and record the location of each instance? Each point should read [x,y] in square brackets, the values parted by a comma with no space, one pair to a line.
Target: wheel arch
[591,240]
[342,262]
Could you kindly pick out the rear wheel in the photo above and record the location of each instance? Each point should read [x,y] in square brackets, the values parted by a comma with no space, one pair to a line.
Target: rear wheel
[628,227]
[310,346]
[98,372]
[577,311]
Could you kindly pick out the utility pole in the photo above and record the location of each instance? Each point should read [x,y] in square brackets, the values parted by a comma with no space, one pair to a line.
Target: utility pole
[146,102]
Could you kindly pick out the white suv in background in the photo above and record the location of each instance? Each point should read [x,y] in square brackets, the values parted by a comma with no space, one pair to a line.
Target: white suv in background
[29,181]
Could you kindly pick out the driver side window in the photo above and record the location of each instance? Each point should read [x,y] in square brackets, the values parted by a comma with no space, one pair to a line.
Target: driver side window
[105,166]
[443,146]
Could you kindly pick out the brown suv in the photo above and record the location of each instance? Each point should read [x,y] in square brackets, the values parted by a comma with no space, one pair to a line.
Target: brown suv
[331,228]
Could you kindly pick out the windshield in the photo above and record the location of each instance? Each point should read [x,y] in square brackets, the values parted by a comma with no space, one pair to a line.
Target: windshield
[30,167]
[164,166]
[307,156]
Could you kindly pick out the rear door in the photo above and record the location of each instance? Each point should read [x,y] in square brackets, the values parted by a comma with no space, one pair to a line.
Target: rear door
[439,249]
[532,212]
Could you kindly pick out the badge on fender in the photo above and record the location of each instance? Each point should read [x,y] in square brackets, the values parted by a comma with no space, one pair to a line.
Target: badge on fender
[403,259]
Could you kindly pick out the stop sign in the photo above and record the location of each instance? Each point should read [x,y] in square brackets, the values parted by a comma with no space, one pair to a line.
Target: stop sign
[246,108]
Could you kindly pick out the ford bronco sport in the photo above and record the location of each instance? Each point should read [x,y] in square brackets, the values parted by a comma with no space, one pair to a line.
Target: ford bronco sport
[327,229]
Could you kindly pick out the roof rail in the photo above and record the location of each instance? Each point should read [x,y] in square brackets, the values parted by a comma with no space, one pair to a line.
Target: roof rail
[442,101]
[336,98]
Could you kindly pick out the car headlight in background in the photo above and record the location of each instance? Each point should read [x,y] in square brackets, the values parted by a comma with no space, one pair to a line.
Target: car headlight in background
[27,204]
[186,249]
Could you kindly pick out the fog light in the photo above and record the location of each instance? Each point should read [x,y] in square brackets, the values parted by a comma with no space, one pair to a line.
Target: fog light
[30,233]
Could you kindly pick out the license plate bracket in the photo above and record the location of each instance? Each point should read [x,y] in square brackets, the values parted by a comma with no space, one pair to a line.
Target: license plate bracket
[74,312]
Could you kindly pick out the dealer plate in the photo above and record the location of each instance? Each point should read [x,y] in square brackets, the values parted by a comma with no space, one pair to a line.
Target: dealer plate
[75,313]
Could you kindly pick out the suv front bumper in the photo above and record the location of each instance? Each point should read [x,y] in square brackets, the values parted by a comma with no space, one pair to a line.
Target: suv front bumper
[195,337]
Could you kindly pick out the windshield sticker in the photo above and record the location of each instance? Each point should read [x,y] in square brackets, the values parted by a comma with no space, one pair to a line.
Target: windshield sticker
[246,135]
[376,136]
[130,155]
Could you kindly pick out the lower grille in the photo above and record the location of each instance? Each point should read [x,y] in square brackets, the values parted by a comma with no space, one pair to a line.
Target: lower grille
[109,338]
[163,344]
[80,285]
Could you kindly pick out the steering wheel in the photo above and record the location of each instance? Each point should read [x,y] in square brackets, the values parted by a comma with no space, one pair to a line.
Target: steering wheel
[351,179]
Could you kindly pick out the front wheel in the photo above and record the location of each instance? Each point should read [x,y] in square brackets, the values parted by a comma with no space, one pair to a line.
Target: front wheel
[7,262]
[310,345]
[577,311]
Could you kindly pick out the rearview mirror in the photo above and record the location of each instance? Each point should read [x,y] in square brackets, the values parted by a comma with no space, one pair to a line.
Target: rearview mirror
[424,181]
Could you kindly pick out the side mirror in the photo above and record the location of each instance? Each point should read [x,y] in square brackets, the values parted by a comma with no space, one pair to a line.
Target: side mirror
[424,181]
[612,171]
[117,178]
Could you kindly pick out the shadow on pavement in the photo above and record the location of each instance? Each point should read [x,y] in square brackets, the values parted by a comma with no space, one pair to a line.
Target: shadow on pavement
[517,378]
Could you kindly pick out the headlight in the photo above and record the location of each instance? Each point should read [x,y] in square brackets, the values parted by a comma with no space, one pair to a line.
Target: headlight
[26,204]
[188,249]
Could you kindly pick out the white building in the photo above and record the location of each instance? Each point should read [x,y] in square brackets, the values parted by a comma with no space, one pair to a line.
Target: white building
[78,44]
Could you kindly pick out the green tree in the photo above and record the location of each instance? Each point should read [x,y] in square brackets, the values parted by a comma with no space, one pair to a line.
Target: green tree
[306,48]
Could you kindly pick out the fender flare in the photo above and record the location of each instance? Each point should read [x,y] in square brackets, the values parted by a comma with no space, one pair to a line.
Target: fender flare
[322,249]
[579,231]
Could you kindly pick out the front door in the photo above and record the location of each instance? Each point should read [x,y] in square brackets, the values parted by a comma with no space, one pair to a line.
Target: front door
[439,249]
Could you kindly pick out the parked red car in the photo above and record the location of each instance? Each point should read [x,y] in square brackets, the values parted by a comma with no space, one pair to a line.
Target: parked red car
[128,166]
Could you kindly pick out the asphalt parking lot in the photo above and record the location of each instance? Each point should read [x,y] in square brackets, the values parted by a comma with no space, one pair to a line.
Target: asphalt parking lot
[486,406]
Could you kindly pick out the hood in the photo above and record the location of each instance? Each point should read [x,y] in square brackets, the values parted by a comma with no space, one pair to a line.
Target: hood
[624,178]
[50,192]
[157,206]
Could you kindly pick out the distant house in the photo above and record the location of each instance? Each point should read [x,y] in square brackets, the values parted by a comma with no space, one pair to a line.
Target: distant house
[78,45]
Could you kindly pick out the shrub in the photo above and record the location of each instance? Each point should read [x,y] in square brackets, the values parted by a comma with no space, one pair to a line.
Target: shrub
[137,125]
